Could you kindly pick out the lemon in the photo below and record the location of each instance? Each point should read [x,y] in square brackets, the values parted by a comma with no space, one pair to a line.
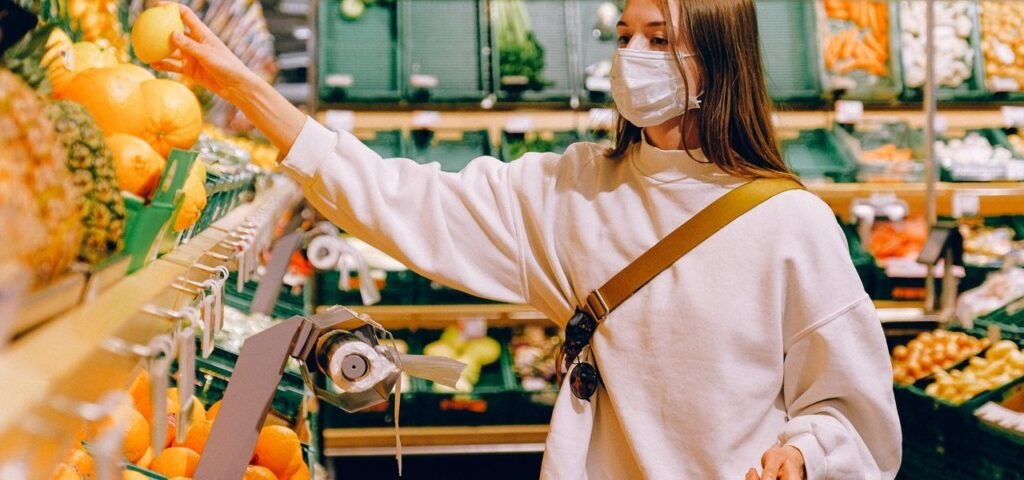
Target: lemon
[151,34]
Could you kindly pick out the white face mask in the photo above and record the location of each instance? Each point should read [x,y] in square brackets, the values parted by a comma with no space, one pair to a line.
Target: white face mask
[648,88]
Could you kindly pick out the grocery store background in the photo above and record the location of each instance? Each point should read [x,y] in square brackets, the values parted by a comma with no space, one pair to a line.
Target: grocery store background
[447,81]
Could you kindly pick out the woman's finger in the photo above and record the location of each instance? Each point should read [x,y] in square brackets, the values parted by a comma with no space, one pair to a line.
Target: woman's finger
[168,65]
[196,28]
[751,475]
[189,46]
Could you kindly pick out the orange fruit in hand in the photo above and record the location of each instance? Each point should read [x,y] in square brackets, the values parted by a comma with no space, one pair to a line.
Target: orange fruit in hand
[257,472]
[176,462]
[151,33]
[138,167]
[136,437]
[139,390]
[113,98]
[81,462]
[174,117]
[197,435]
[276,448]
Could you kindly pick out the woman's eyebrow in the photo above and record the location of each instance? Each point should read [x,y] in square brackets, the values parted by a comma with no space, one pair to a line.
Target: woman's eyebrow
[649,25]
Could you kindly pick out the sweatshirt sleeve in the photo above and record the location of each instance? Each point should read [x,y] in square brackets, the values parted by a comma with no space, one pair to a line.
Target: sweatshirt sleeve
[457,229]
[838,394]
[837,378]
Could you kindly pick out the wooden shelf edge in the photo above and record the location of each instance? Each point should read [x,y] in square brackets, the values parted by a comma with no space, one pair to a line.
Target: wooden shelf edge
[384,437]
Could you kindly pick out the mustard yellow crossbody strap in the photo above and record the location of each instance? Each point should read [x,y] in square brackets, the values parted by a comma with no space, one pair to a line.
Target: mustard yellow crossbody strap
[688,236]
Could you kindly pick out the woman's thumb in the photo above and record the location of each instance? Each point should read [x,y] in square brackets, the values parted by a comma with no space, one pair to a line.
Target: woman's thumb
[188,45]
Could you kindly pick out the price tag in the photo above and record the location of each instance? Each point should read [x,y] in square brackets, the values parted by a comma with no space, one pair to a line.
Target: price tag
[519,124]
[965,204]
[473,328]
[941,124]
[420,80]
[849,111]
[339,80]
[1013,116]
[340,120]
[426,119]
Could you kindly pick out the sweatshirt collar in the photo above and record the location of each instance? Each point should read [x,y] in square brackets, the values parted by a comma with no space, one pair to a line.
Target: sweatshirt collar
[674,165]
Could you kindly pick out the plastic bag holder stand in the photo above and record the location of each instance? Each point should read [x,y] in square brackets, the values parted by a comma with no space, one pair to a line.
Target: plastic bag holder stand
[257,373]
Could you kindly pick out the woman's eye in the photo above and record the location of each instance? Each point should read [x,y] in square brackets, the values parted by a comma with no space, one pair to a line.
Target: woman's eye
[659,41]
[623,40]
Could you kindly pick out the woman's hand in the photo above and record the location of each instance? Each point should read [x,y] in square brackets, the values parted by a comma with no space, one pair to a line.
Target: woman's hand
[780,463]
[201,56]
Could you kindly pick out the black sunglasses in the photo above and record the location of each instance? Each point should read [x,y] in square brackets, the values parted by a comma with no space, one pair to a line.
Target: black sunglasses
[583,375]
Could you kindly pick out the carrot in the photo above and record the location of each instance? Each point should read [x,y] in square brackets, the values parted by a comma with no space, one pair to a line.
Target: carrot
[875,46]
[851,43]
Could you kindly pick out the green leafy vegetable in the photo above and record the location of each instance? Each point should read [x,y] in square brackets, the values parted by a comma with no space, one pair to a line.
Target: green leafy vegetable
[520,55]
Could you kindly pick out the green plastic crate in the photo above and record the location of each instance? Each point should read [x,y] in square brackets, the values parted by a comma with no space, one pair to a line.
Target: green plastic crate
[817,155]
[514,145]
[998,138]
[147,223]
[789,47]
[434,293]
[446,40]
[365,51]
[490,403]
[288,304]
[551,22]
[1010,319]
[863,261]
[214,373]
[972,89]
[868,88]
[453,151]
[400,288]
[387,143]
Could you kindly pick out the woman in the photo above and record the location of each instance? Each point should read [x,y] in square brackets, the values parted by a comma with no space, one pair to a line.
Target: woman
[757,355]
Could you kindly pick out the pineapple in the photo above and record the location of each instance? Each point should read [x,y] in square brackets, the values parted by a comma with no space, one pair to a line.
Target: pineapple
[92,167]
[32,161]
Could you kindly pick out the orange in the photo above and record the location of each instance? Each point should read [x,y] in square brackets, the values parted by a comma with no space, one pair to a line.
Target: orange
[176,462]
[81,462]
[276,448]
[211,414]
[174,117]
[138,167]
[195,198]
[139,390]
[198,413]
[113,98]
[147,458]
[133,475]
[197,435]
[136,438]
[257,472]
[302,473]
[135,72]
[151,33]
[65,472]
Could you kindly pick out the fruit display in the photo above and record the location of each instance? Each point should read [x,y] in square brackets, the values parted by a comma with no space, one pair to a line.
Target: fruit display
[34,179]
[535,356]
[1002,45]
[974,158]
[1017,142]
[99,22]
[892,240]
[886,152]
[476,353]
[988,245]
[261,154]
[138,166]
[1000,365]
[112,96]
[174,117]
[856,44]
[92,167]
[931,351]
[954,25]
[998,290]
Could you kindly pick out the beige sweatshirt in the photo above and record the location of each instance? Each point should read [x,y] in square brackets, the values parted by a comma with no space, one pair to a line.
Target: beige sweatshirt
[762,335]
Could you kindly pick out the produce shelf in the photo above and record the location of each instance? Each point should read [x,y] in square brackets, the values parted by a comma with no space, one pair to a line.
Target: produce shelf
[362,442]
[997,198]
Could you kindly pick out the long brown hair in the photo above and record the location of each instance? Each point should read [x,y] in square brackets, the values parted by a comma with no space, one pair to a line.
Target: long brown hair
[735,129]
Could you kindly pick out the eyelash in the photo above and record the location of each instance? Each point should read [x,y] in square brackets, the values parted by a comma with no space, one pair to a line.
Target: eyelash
[657,41]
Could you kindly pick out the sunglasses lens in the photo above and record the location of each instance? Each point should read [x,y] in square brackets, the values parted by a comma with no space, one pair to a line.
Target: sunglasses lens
[583,381]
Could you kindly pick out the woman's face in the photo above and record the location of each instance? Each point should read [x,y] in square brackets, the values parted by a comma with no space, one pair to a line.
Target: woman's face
[642,26]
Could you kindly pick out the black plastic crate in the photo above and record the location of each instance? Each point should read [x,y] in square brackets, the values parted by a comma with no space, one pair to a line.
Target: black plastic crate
[490,402]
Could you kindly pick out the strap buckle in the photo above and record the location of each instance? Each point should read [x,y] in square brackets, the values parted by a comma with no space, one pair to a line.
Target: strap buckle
[596,305]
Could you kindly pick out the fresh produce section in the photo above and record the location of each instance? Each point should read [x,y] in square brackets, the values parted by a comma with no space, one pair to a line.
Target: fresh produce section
[857,51]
